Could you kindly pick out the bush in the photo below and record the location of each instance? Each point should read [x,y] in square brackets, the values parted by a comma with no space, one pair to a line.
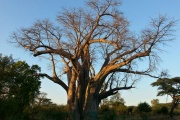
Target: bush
[120,109]
[160,109]
[164,110]
[52,112]
[131,110]
[109,115]
[143,107]
[106,112]
[104,108]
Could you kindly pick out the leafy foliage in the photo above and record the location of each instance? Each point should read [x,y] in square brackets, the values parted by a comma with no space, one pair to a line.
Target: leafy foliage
[18,86]
[51,112]
[160,109]
[113,105]
[154,102]
[42,100]
[168,86]
[144,107]
[171,87]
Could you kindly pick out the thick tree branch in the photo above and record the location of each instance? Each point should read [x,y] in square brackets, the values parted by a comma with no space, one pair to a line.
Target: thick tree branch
[103,40]
[54,79]
[59,52]
[53,66]
[113,91]
[107,69]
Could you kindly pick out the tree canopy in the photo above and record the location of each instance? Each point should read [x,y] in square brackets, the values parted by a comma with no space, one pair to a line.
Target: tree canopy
[171,87]
[18,85]
[168,86]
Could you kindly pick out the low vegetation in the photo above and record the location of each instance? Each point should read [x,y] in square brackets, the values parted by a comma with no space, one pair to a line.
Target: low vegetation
[143,111]
[21,99]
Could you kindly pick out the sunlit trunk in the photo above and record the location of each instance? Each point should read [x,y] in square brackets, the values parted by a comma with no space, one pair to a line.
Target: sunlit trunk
[84,108]
[90,111]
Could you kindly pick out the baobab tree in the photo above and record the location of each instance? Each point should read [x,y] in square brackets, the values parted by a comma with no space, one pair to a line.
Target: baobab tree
[96,50]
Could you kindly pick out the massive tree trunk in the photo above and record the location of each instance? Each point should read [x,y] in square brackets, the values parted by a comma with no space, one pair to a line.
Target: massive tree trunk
[90,112]
[91,109]
[85,105]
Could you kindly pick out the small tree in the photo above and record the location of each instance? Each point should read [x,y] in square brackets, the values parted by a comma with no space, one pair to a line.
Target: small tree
[154,102]
[117,104]
[18,86]
[42,99]
[116,100]
[171,87]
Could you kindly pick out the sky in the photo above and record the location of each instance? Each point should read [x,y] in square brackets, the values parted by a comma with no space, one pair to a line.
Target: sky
[15,14]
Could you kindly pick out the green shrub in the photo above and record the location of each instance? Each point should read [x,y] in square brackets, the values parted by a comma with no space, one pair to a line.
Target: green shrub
[143,107]
[131,110]
[104,108]
[52,112]
[160,109]
[120,109]
[164,110]
[109,115]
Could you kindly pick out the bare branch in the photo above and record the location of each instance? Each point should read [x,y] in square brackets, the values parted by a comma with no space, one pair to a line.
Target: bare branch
[135,72]
[54,79]
[113,91]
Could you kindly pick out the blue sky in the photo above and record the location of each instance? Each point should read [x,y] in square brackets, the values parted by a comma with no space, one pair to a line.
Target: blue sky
[15,14]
